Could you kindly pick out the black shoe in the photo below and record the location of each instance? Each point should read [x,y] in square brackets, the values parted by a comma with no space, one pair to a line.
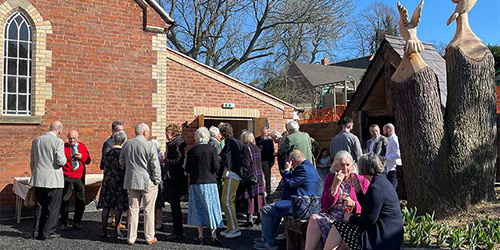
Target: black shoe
[174,237]
[214,242]
[257,221]
[198,241]
[248,224]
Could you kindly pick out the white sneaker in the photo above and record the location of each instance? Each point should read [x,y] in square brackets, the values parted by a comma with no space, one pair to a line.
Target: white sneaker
[281,237]
[223,233]
[233,234]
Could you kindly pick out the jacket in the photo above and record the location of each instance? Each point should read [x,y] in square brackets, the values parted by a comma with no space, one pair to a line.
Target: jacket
[231,157]
[68,169]
[297,141]
[175,180]
[202,164]
[380,145]
[140,159]
[46,161]
[381,222]
[328,200]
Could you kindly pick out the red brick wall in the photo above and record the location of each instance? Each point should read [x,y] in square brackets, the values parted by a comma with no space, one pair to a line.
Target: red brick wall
[188,89]
[101,71]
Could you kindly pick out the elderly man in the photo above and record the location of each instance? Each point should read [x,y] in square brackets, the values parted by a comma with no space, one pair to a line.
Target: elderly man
[47,159]
[392,157]
[296,140]
[142,176]
[300,178]
[266,146]
[378,143]
[77,156]
[345,140]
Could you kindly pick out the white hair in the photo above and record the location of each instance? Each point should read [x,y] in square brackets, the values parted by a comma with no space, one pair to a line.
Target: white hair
[342,155]
[292,126]
[119,137]
[201,135]
[275,133]
[214,131]
[140,128]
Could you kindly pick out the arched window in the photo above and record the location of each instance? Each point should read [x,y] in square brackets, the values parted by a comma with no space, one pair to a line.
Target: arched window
[17,70]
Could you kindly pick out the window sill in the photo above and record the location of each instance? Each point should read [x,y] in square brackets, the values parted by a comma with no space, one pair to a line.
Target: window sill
[35,120]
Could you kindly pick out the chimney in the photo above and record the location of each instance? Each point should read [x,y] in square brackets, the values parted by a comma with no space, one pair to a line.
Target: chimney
[325,61]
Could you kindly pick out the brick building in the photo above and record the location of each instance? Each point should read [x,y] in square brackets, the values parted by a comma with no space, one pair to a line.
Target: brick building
[90,62]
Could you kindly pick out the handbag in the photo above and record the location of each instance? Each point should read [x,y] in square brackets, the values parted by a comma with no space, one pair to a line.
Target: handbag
[305,206]
[30,200]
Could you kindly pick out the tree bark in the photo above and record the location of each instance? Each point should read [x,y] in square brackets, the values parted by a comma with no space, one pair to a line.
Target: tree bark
[470,128]
[419,120]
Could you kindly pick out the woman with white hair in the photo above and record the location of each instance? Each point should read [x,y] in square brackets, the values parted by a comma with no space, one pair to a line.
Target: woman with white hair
[339,196]
[202,165]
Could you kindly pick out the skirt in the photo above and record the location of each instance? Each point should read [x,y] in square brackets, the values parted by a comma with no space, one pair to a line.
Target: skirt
[349,233]
[204,206]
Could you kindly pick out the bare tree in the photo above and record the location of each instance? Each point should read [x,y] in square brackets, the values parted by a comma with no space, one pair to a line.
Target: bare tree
[369,27]
[225,34]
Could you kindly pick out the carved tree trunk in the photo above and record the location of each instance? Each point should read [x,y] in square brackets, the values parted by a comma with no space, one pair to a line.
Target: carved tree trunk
[470,128]
[419,120]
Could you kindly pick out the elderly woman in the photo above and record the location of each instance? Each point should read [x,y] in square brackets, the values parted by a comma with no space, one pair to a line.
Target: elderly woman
[339,196]
[202,165]
[380,225]
[175,181]
[253,177]
[215,138]
[113,196]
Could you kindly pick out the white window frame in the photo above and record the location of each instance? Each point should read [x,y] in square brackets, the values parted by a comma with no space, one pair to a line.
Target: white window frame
[29,61]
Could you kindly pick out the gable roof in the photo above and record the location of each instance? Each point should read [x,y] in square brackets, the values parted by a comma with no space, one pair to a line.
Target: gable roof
[360,63]
[376,67]
[228,80]
[431,57]
[319,75]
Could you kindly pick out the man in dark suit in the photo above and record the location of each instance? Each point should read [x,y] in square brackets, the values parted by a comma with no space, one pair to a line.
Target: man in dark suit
[47,159]
[300,178]
[378,143]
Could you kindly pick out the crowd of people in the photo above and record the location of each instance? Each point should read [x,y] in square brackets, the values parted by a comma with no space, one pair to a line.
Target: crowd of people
[224,175]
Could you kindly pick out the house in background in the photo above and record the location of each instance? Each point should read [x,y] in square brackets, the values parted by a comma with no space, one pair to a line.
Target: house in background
[330,85]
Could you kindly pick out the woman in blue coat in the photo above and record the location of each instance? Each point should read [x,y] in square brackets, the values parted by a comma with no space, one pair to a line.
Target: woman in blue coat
[380,226]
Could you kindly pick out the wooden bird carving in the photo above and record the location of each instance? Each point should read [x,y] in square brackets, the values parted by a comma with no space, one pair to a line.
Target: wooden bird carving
[463,6]
[408,30]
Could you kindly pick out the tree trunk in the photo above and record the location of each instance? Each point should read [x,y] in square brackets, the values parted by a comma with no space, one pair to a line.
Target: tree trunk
[419,120]
[470,128]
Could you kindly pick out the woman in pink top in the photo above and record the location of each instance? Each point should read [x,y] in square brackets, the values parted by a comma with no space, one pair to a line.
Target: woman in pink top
[340,194]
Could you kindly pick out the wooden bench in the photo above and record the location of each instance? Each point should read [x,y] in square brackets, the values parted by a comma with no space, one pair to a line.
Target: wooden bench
[295,233]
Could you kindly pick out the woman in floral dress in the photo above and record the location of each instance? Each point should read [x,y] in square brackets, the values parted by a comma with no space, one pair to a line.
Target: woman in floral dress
[113,195]
[341,192]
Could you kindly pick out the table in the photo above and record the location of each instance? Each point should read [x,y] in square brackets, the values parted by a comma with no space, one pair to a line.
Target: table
[21,187]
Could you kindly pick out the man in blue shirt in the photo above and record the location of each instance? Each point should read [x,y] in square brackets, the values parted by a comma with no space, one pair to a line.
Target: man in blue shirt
[299,178]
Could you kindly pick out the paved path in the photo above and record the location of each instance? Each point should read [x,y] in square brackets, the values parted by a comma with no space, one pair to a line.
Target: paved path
[16,236]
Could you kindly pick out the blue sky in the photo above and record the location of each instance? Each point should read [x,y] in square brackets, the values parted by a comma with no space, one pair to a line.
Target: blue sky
[484,19]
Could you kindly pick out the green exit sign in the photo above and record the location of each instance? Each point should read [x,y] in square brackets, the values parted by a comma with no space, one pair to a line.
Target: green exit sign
[228,105]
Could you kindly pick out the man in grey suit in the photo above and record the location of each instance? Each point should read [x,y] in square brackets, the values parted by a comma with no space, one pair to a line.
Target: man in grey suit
[47,159]
[378,143]
[142,176]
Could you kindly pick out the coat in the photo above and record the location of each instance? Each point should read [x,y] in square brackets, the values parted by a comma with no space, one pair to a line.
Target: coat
[47,159]
[140,159]
[175,180]
[328,200]
[381,222]
[297,141]
[380,145]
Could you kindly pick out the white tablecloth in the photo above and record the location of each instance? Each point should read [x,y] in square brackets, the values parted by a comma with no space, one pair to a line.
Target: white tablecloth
[21,184]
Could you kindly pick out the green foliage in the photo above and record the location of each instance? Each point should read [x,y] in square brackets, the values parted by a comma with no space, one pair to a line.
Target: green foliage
[495,50]
[423,231]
